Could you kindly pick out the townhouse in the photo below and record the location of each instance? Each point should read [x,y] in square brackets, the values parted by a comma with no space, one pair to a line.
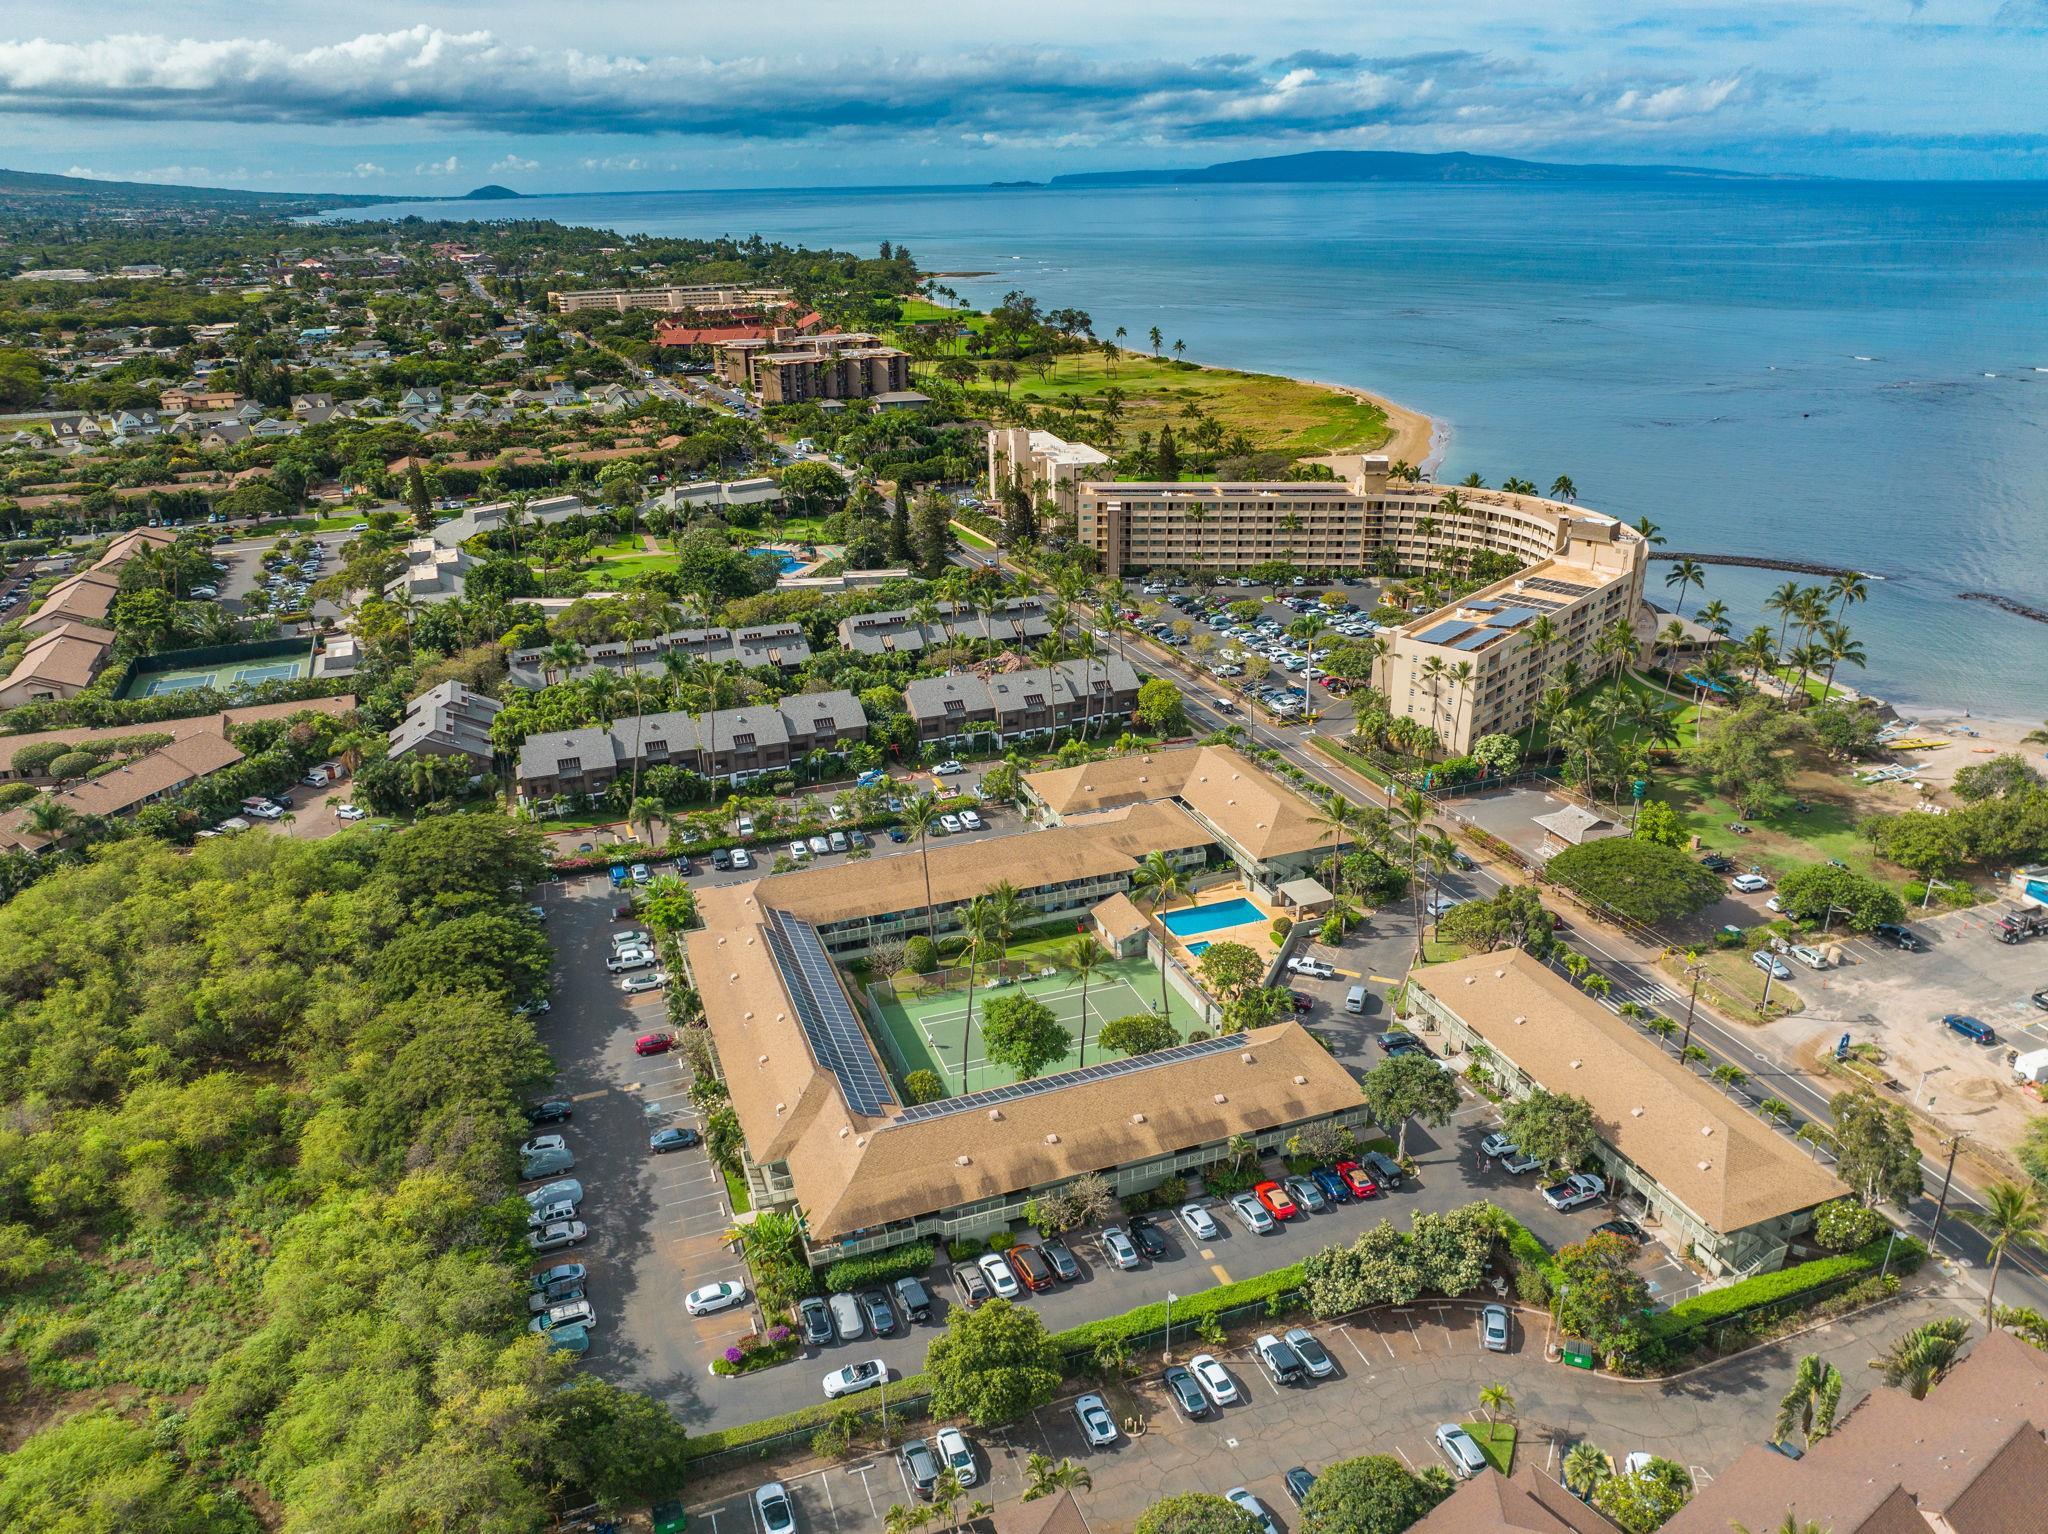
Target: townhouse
[1017,622]
[1020,705]
[783,646]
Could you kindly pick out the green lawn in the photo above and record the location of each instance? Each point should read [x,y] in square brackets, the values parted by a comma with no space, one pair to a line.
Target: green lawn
[1687,716]
[1496,1441]
[736,1192]
[917,310]
[970,537]
[1736,986]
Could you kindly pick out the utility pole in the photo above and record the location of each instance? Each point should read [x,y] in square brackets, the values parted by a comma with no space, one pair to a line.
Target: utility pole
[1696,969]
[1941,1205]
[1167,1356]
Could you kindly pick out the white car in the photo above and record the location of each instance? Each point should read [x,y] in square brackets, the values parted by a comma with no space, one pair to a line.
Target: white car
[958,1455]
[1097,1425]
[1117,1245]
[349,812]
[1457,1446]
[1770,964]
[1253,1506]
[1579,1189]
[772,1506]
[854,1378]
[1198,1222]
[1497,1145]
[632,938]
[971,820]
[640,985]
[996,1269]
[819,846]
[1749,884]
[569,1313]
[798,852]
[741,858]
[1214,1379]
[950,764]
[709,1299]
[1315,969]
[639,874]
[1812,958]
[951,823]
[541,1143]
[553,1212]
[1256,1217]
[1441,904]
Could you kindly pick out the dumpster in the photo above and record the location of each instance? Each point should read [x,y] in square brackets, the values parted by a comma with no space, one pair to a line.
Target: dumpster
[668,1518]
[1580,1355]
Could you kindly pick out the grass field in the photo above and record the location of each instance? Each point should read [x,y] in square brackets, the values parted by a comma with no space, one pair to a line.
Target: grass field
[1496,1441]
[926,1031]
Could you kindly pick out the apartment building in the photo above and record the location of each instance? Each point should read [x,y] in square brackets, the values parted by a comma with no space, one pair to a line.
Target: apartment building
[1016,621]
[1020,705]
[60,662]
[1049,467]
[1478,666]
[781,645]
[432,573]
[447,720]
[736,744]
[708,300]
[789,369]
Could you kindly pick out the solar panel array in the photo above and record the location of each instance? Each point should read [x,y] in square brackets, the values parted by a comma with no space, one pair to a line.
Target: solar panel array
[826,1016]
[1476,639]
[1514,617]
[1103,1072]
[1562,588]
[1443,633]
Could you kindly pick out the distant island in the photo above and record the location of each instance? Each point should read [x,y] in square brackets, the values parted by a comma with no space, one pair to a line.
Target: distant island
[491,193]
[1336,165]
[22,190]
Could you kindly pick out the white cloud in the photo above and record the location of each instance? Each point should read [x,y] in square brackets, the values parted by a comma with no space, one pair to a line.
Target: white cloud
[447,167]
[369,168]
[615,162]
[512,163]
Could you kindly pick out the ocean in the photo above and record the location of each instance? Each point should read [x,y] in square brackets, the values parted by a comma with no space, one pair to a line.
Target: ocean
[1850,373]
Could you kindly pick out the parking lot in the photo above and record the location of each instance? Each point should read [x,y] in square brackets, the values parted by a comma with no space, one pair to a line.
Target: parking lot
[1399,1374]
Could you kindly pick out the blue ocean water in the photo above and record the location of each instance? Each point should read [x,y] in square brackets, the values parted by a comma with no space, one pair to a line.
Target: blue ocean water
[1852,373]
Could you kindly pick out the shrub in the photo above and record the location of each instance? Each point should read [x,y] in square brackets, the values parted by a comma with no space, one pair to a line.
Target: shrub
[878,1267]
[965,1249]
[1845,1225]
[920,956]
[73,764]
[754,1353]
[1678,1327]
[1001,1241]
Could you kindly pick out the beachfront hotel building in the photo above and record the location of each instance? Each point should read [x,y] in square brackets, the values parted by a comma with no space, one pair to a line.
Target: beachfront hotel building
[1051,469]
[824,1125]
[1474,668]
[787,368]
[705,299]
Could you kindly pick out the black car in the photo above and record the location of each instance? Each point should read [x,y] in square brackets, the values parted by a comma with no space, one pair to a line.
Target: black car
[913,1299]
[1627,1228]
[1905,939]
[1150,1242]
[880,1316]
[1398,1043]
[1064,1267]
[816,1319]
[721,859]
[2040,999]
[1716,863]
[552,1110]
[1299,1480]
[1186,1394]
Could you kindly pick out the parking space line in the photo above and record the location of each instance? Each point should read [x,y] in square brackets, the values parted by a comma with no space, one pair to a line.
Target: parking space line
[1222,1276]
[1345,1333]
[1404,1456]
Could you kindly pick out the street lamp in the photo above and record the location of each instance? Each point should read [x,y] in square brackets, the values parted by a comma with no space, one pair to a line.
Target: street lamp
[1167,1356]
[1934,1231]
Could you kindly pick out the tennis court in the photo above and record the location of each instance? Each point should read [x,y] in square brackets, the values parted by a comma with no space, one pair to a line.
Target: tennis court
[925,1032]
[225,676]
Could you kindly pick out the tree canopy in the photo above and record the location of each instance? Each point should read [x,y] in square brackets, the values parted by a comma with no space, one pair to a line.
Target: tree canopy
[1644,881]
[992,1364]
[1372,1494]
[1556,1128]
[1020,1032]
[1196,1512]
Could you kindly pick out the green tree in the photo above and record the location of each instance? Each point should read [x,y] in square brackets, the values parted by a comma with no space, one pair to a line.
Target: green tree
[1140,1033]
[1196,1512]
[1161,708]
[2014,1214]
[1585,1467]
[619,1445]
[1844,1224]
[1450,1250]
[1644,1502]
[1658,822]
[1229,969]
[1874,1149]
[923,1087]
[1044,1476]
[1819,891]
[1642,880]
[1555,1128]
[1916,1360]
[1372,1494]
[1021,1033]
[1402,1088]
[1600,1296]
[1747,757]
[1379,1268]
[992,1364]
[1809,1407]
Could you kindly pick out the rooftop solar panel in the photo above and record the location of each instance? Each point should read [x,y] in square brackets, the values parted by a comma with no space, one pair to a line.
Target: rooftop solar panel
[1476,639]
[1548,583]
[995,1096]
[1484,607]
[824,1013]
[1443,633]
[1513,617]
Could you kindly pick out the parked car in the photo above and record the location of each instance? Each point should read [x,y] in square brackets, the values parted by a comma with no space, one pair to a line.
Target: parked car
[1810,956]
[958,1455]
[709,1299]
[1299,1481]
[848,1317]
[653,1044]
[571,1338]
[569,1313]
[1493,1328]
[1182,1390]
[627,959]
[1579,1189]
[1305,1193]
[552,1238]
[1716,862]
[1030,1268]
[1278,1202]
[1770,964]
[673,1138]
[1001,1280]
[567,1189]
[1973,1029]
[640,985]
[1315,969]
[1060,1259]
[741,858]
[1280,1361]
[556,1293]
[854,1378]
[912,1298]
[1097,1425]
[1196,1220]
[772,1506]
[1382,1168]
[815,1319]
[560,1273]
[972,1286]
[1252,1505]
[1457,1446]
[1254,1215]
[971,820]
[1118,1247]
[1903,938]
[881,1318]
[1313,1355]
[1749,884]
[1149,1240]
[721,859]
[1215,1380]
[949,765]
[1357,1179]
[920,1466]
[1334,1188]
[1627,1229]
[551,1110]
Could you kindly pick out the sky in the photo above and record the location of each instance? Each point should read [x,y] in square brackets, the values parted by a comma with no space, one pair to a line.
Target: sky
[424,99]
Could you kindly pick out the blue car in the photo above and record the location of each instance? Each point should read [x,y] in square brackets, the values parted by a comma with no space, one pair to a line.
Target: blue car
[673,1139]
[618,874]
[898,834]
[1332,1185]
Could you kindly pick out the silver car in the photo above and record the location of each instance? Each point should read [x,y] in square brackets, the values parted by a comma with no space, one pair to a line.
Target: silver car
[1118,1245]
[1256,1217]
[1493,1328]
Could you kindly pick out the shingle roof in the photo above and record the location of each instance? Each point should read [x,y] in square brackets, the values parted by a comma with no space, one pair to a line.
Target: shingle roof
[70,655]
[1523,1503]
[1221,786]
[86,597]
[198,724]
[1726,1166]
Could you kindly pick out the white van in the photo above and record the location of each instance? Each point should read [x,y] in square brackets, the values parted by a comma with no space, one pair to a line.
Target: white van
[1354,999]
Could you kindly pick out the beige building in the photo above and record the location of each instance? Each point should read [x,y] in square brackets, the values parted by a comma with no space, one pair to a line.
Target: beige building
[60,662]
[1704,1169]
[788,368]
[708,300]
[1051,469]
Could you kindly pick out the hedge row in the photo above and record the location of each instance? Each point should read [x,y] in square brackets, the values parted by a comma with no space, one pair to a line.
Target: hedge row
[878,1267]
[1716,1305]
[1152,1318]
[911,1389]
[1526,1247]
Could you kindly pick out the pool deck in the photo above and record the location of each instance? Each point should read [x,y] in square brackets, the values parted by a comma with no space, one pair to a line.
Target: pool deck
[1257,934]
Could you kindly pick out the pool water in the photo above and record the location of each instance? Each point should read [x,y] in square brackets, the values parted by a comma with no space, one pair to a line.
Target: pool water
[1210,918]
[1198,949]
[786,562]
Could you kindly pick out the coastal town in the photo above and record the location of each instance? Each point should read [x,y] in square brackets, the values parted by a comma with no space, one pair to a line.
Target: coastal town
[692,883]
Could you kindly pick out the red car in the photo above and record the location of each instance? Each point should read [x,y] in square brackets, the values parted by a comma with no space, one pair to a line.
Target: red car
[1277,1202]
[625,912]
[1355,1178]
[653,1044]
[1031,1269]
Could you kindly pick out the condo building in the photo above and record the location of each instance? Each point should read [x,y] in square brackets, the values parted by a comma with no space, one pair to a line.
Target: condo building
[787,368]
[705,299]
[1051,469]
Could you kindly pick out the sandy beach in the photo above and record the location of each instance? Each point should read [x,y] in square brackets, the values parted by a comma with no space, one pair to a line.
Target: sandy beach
[1973,741]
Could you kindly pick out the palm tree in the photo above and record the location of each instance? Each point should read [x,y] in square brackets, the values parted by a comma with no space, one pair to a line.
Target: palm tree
[1652,534]
[1337,815]
[1156,882]
[1845,588]
[919,811]
[50,817]
[1084,956]
[1919,1359]
[1461,677]
[1837,645]
[561,658]
[1585,1468]
[977,923]
[1784,602]
[2012,1212]
[905,1520]
[1810,1405]
[1563,489]
[1686,572]
[1496,1397]
[1434,670]
[1043,1475]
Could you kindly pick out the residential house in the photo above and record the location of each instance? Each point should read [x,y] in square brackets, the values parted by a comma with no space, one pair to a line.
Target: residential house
[426,398]
[1017,622]
[489,518]
[447,720]
[1022,705]
[178,729]
[127,788]
[304,405]
[431,574]
[225,435]
[87,597]
[60,662]
[198,396]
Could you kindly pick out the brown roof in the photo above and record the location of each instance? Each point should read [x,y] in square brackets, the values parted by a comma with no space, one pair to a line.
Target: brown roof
[159,772]
[1222,787]
[1523,1503]
[69,654]
[1970,1455]
[1726,1166]
[960,870]
[133,542]
[1120,916]
[197,724]
[85,597]
[1059,1513]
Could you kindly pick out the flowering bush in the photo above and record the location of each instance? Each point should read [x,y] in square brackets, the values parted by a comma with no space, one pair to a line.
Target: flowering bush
[778,1334]
[733,1355]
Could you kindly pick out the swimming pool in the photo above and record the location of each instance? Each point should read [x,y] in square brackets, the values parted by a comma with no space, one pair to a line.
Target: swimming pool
[1209,918]
[786,562]
[1198,949]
